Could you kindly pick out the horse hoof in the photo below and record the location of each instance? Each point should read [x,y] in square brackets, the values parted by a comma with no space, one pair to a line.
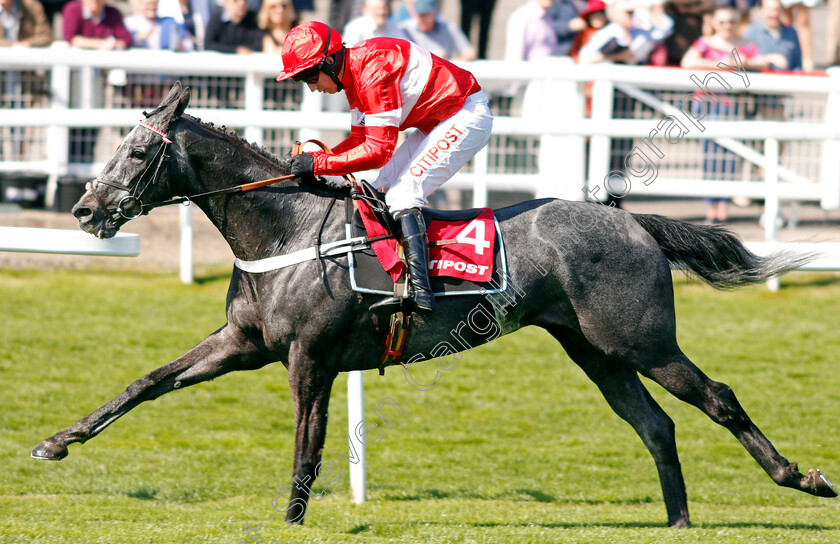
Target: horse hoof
[50,451]
[819,485]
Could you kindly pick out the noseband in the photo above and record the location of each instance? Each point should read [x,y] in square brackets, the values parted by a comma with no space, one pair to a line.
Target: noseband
[132,200]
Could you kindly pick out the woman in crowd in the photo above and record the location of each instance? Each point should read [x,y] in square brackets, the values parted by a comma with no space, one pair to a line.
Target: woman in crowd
[276,18]
[23,24]
[706,53]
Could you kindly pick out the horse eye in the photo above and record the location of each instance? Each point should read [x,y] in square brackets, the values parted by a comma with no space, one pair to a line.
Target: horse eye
[137,154]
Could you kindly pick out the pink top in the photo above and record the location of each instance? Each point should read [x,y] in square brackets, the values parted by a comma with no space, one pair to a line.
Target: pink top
[707,51]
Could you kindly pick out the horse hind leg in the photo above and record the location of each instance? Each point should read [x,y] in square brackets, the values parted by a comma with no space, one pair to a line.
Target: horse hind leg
[628,398]
[717,400]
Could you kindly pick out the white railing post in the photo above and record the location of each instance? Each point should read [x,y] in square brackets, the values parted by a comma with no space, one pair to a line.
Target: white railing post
[830,168]
[480,163]
[599,146]
[87,77]
[254,104]
[58,136]
[771,190]
[771,198]
[185,221]
[562,163]
[355,414]
[312,104]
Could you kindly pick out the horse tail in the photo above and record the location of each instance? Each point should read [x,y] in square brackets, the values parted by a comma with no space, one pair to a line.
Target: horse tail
[714,254]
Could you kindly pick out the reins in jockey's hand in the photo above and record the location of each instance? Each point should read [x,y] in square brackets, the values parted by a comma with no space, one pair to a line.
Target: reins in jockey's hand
[303,164]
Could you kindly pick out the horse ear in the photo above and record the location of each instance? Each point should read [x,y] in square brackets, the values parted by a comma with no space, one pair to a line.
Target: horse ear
[174,92]
[171,107]
[175,95]
[183,102]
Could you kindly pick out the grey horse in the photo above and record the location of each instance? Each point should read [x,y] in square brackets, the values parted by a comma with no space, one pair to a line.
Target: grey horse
[598,279]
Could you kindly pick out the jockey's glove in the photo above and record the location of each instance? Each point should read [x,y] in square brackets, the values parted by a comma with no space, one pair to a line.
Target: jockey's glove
[303,165]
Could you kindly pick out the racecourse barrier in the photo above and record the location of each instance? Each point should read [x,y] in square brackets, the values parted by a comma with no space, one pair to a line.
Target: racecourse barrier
[67,242]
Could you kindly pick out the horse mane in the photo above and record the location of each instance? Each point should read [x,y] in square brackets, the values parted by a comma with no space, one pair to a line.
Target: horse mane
[233,135]
[284,163]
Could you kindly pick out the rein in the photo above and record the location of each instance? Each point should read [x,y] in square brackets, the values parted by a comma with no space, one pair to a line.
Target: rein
[131,207]
[228,190]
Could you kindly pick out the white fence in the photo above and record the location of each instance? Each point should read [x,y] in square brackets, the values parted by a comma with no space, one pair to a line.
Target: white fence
[550,110]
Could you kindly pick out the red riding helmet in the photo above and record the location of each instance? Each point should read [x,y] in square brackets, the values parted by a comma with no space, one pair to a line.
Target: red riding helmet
[308,45]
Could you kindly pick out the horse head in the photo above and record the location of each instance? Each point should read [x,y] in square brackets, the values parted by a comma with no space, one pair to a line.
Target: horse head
[137,174]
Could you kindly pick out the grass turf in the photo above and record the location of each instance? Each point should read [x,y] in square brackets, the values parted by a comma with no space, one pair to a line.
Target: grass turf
[513,445]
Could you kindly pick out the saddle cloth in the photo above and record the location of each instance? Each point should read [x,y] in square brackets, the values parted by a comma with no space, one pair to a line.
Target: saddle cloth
[466,254]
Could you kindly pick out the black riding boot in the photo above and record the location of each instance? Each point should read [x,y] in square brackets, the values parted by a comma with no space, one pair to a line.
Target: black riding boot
[417,255]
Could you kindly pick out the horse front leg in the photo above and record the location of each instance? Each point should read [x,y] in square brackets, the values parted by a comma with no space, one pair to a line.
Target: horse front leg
[225,350]
[311,386]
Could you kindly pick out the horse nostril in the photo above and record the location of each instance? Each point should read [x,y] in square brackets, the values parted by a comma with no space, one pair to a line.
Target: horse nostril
[82,212]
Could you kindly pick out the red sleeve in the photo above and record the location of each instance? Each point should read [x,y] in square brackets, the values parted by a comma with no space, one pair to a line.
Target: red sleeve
[700,46]
[357,136]
[375,150]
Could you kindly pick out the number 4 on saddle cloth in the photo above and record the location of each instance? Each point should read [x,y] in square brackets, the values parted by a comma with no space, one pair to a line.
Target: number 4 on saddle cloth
[466,250]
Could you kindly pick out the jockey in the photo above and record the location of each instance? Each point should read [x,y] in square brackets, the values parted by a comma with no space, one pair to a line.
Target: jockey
[392,85]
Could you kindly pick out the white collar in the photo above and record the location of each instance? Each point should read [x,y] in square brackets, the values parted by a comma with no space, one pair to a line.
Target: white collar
[86,14]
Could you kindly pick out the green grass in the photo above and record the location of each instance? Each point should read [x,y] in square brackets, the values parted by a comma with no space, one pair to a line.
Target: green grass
[513,445]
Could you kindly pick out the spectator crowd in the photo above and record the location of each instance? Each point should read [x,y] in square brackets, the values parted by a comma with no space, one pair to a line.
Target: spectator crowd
[655,32]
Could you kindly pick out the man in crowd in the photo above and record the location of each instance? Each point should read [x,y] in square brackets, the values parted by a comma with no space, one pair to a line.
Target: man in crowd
[233,29]
[433,33]
[771,36]
[90,24]
[567,23]
[375,22]
[530,32]
[148,31]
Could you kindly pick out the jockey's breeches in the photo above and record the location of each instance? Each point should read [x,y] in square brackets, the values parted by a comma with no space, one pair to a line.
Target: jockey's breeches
[424,162]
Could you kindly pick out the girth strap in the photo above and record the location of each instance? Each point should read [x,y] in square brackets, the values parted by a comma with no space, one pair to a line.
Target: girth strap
[311,253]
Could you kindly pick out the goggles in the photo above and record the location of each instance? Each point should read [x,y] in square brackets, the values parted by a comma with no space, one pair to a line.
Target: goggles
[311,75]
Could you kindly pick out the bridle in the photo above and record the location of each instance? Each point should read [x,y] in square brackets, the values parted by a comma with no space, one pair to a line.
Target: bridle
[132,200]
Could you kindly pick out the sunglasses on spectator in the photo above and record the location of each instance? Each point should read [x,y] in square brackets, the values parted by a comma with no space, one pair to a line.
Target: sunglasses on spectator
[310,75]
[727,21]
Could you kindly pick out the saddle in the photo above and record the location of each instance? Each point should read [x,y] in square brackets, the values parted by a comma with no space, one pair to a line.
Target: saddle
[457,239]
[454,239]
